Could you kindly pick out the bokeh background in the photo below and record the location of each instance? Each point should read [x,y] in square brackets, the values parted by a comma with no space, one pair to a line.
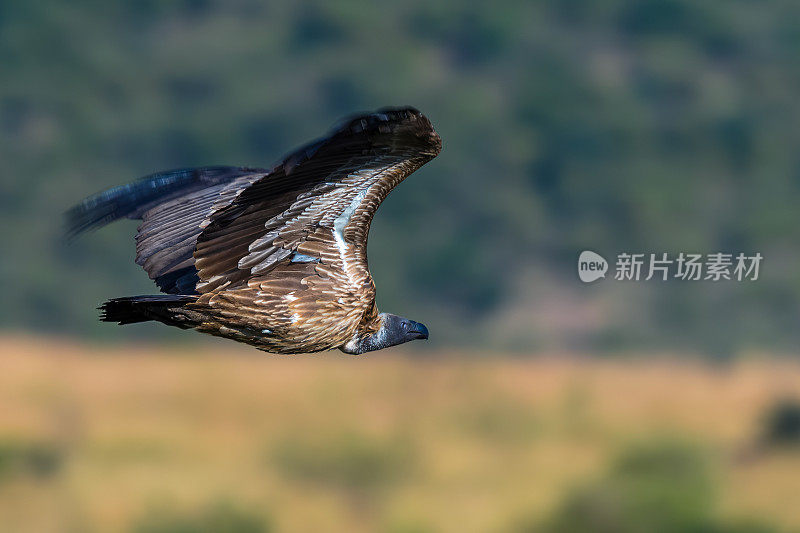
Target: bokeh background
[540,403]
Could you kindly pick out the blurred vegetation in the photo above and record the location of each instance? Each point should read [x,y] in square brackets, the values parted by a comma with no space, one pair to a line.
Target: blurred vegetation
[353,462]
[782,424]
[33,459]
[659,488]
[665,125]
[218,517]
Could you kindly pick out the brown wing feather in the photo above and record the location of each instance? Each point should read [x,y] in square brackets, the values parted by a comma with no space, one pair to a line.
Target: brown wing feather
[362,160]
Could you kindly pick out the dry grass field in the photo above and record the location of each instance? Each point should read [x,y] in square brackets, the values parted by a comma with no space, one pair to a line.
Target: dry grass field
[146,438]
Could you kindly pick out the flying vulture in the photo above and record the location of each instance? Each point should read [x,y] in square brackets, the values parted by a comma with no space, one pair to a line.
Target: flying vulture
[275,258]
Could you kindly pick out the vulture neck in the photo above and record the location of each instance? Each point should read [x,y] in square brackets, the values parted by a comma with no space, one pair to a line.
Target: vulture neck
[370,338]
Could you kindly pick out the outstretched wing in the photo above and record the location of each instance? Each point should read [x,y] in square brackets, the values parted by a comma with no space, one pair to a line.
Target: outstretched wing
[233,222]
[317,205]
[173,207]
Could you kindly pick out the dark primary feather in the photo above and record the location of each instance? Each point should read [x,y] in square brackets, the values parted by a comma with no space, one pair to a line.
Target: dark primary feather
[172,204]
[133,199]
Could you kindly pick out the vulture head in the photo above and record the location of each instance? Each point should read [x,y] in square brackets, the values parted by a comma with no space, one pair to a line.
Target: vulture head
[394,330]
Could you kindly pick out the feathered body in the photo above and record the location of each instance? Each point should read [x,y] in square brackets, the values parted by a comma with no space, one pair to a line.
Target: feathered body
[273,258]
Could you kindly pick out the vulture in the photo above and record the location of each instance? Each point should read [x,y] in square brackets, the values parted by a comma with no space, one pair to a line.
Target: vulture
[275,258]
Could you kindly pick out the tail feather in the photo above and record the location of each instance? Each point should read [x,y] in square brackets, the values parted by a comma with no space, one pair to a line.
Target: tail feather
[162,308]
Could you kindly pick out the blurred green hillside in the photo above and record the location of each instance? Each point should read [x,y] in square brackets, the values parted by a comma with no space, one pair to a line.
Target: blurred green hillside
[659,126]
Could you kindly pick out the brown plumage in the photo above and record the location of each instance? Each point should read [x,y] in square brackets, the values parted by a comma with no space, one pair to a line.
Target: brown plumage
[274,258]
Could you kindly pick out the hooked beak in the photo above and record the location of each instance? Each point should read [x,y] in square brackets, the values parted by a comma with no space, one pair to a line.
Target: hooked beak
[418,331]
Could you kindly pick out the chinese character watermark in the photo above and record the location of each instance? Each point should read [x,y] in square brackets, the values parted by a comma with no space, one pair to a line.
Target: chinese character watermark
[717,266]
